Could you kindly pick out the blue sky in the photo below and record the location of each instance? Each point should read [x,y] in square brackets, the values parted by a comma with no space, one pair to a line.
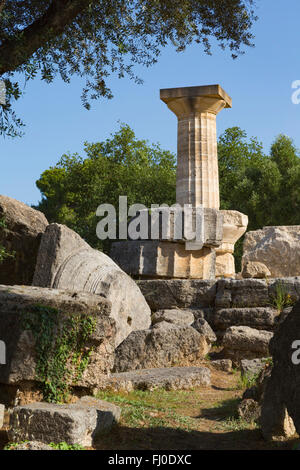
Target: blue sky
[259,83]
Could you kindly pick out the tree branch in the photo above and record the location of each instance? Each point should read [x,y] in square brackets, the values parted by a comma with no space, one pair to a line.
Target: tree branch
[15,52]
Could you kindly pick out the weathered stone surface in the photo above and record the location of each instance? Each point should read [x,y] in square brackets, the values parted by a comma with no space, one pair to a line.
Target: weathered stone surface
[197,168]
[260,318]
[175,316]
[22,234]
[276,247]
[242,342]
[234,226]
[66,261]
[32,445]
[222,364]
[167,347]
[233,293]
[162,259]
[289,286]
[182,293]
[204,329]
[282,425]
[20,343]
[255,269]
[2,409]
[282,395]
[252,367]
[77,423]
[173,378]
[249,410]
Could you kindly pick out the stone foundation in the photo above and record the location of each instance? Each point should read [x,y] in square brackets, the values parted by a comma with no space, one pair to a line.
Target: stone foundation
[157,259]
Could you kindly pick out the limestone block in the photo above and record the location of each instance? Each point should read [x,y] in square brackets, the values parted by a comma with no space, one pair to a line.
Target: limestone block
[276,247]
[204,329]
[180,293]
[260,318]
[173,378]
[167,223]
[243,342]
[234,226]
[173,316]
[164,259]
[255,269]
[78,423]
[21,357]
[252,367]
[66,261]
[162,347]
[21,235]
[222,364]
[233,293]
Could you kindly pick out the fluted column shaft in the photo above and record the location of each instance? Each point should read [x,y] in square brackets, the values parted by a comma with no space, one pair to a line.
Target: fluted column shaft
[197,181]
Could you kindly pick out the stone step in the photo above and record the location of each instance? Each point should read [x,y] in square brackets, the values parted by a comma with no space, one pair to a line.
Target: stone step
[172,378]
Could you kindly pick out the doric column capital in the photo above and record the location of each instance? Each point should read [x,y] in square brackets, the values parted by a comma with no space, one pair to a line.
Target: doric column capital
[185,102]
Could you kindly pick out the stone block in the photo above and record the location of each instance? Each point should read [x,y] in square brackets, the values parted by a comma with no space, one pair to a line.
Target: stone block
[174,316]
[21,357]
[163,347]
[178,293]
[159,259]
[261,318]
[77,423]
[173,378]
[20,235]
[233,293]
[242,342]
[66,261]
[276,247]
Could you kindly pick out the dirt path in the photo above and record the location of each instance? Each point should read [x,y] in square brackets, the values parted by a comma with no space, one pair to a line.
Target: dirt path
[204,418]
[199,419]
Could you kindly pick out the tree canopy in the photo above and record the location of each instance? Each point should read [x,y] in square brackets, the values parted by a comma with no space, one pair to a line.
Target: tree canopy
[94,38]
[119,166]
[265,187]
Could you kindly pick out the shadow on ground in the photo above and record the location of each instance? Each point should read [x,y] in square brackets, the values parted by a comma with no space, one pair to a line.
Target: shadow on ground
[161,438]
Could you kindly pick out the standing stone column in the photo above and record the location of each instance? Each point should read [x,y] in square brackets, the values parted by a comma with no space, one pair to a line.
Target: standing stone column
[196,108]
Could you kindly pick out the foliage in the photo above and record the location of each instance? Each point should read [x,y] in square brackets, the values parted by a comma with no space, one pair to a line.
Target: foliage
[61,344]
[58,446]
[265,187]
[119,166]
[247,380]
[65,446]
[96,38]
[14,445]
[281,298]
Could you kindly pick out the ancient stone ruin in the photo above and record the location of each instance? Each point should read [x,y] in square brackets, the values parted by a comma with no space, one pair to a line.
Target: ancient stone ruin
[197,184]
[74,322]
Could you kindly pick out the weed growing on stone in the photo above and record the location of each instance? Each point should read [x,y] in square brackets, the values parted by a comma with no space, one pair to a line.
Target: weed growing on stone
[281,298]
[61,345]
[247,381]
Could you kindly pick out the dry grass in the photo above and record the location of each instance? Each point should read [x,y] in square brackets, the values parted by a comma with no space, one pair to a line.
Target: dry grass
[203,418]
